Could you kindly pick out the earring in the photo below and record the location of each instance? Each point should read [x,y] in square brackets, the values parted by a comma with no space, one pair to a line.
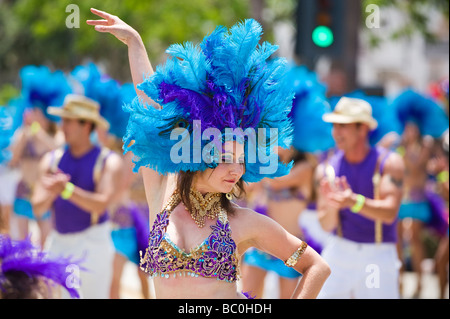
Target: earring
[229,196]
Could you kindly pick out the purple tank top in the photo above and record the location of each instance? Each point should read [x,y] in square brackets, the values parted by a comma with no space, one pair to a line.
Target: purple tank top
[356,227]
[68,217]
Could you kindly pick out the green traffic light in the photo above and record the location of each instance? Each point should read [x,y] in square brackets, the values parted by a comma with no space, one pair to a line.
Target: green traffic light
[322,36]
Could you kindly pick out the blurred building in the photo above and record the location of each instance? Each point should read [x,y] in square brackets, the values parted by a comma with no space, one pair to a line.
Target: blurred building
[396,63]
[388,67]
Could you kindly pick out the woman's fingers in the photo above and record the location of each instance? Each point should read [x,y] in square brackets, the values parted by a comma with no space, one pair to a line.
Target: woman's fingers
[102,14]
[97,22]
[103,28]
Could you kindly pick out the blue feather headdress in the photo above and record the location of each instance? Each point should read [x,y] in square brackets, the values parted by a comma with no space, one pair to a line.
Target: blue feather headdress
[225,83]
[108,93]
[430,118]
[311,133]
[23,256]
[42,88]
[6,133]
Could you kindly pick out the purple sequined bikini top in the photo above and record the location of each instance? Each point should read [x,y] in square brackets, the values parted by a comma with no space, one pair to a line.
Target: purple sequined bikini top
[215,257]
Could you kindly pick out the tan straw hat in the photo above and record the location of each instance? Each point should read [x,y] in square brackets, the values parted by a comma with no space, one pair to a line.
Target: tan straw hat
[80,107]
[351,110]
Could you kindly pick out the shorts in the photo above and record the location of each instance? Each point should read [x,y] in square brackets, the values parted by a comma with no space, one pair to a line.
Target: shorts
[257,258]
[415,210]
[125,243]
[23,208]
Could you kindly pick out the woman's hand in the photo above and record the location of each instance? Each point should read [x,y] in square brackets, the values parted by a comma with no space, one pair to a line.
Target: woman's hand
[140,65]
[114,25]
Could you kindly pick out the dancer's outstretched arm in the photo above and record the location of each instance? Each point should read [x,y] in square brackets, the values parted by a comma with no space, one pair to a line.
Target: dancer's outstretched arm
[140,65]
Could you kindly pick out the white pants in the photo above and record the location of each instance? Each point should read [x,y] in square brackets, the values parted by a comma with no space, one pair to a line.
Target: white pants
[361,271]
[95,247]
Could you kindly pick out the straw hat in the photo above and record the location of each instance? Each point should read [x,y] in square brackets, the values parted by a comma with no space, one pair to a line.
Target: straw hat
[351,110]
[80,107]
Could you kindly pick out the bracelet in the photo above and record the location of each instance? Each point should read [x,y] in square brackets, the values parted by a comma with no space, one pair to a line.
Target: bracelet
[360,200]
[292,261]
[442,177]
[35,127]
[68,191]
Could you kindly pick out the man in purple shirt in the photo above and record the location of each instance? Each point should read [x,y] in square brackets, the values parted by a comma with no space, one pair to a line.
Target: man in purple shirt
[77,183]
[359,191]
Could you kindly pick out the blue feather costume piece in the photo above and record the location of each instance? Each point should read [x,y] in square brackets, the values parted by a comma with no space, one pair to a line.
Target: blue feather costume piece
[422,110]
[11,118]
[311,133]
[6,133]
[110,94]
[42,88]
[226,82]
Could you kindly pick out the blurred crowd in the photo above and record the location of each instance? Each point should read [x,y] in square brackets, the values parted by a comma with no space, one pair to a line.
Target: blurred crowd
[413,124]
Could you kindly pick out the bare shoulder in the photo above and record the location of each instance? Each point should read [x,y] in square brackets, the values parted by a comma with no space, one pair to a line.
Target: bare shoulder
[319,172]
[44,164]
[249,223]
[394,163]
[114,161]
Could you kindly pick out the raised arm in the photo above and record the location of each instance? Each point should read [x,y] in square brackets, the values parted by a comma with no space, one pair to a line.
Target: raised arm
[140,65]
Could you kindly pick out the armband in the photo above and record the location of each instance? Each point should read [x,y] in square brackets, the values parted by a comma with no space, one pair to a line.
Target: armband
[292,261]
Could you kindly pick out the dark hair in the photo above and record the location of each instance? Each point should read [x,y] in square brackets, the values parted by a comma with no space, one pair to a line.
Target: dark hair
[184,184]
[19,285]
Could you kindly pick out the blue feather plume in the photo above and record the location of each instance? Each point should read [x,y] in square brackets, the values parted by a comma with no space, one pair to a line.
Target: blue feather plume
[227,81]
[311,133]
[108,93]
[431,119]
[42,88]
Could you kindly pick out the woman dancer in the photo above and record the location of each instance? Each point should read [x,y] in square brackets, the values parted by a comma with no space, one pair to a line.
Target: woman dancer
[225,84]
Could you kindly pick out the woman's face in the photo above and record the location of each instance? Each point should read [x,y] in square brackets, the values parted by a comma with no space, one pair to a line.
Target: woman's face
[226,174]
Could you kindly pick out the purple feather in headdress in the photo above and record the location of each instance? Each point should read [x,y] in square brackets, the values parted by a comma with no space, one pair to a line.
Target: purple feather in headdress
[22,256]
[226,82]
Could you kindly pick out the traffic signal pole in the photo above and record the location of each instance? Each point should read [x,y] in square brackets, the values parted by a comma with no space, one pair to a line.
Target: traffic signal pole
[329,28]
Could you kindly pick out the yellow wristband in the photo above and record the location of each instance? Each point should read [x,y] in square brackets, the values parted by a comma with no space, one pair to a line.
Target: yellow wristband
[68,191]
[35,127]
[442,177]
[360,200]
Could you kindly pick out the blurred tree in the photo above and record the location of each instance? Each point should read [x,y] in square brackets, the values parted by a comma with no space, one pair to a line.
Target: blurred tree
[35,31]
[417,17]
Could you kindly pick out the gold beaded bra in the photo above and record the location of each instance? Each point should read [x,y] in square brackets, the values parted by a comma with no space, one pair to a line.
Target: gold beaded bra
[216,257]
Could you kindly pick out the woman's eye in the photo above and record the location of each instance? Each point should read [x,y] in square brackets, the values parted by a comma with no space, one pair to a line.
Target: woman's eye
[227,159]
